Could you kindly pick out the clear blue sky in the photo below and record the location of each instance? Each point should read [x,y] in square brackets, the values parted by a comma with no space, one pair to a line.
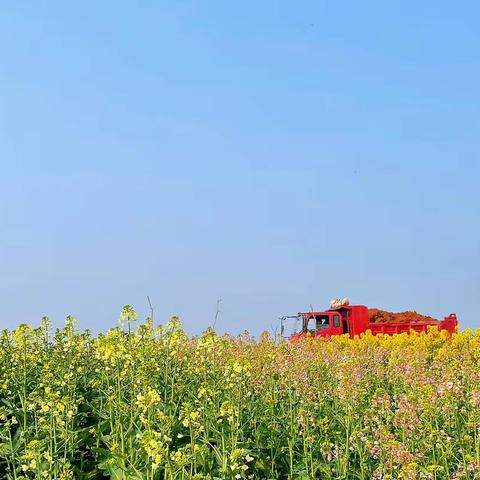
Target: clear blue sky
[273,154]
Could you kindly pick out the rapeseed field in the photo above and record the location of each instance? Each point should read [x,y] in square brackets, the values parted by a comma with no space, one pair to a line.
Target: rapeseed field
[151,403]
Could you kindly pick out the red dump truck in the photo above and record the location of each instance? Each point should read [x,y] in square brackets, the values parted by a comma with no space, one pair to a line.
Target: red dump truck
[342,318]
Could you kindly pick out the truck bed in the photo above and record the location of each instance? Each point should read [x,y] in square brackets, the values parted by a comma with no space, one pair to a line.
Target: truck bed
[449,323]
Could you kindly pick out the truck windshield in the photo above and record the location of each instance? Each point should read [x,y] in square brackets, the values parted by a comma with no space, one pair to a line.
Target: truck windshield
[317,323]
[291,324]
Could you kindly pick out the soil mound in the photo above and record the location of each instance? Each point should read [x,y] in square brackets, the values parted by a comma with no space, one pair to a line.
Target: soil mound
[382,316]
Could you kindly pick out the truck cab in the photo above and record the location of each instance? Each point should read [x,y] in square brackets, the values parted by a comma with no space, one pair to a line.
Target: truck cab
[319,324]
[339,320]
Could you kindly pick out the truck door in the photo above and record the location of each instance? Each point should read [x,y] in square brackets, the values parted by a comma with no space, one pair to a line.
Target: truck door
[338,324]
[344,317]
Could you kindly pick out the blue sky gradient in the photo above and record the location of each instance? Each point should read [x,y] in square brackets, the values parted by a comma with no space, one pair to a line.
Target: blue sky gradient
[273,154]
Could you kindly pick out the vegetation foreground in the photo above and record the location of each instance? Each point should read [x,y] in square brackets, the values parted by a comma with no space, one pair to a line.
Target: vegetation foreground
[157,404]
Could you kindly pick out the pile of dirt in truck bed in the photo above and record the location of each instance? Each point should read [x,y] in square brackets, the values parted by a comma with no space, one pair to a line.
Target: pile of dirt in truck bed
[382,316]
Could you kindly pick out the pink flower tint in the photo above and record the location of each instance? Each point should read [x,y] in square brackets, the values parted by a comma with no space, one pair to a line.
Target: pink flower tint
[475,400]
